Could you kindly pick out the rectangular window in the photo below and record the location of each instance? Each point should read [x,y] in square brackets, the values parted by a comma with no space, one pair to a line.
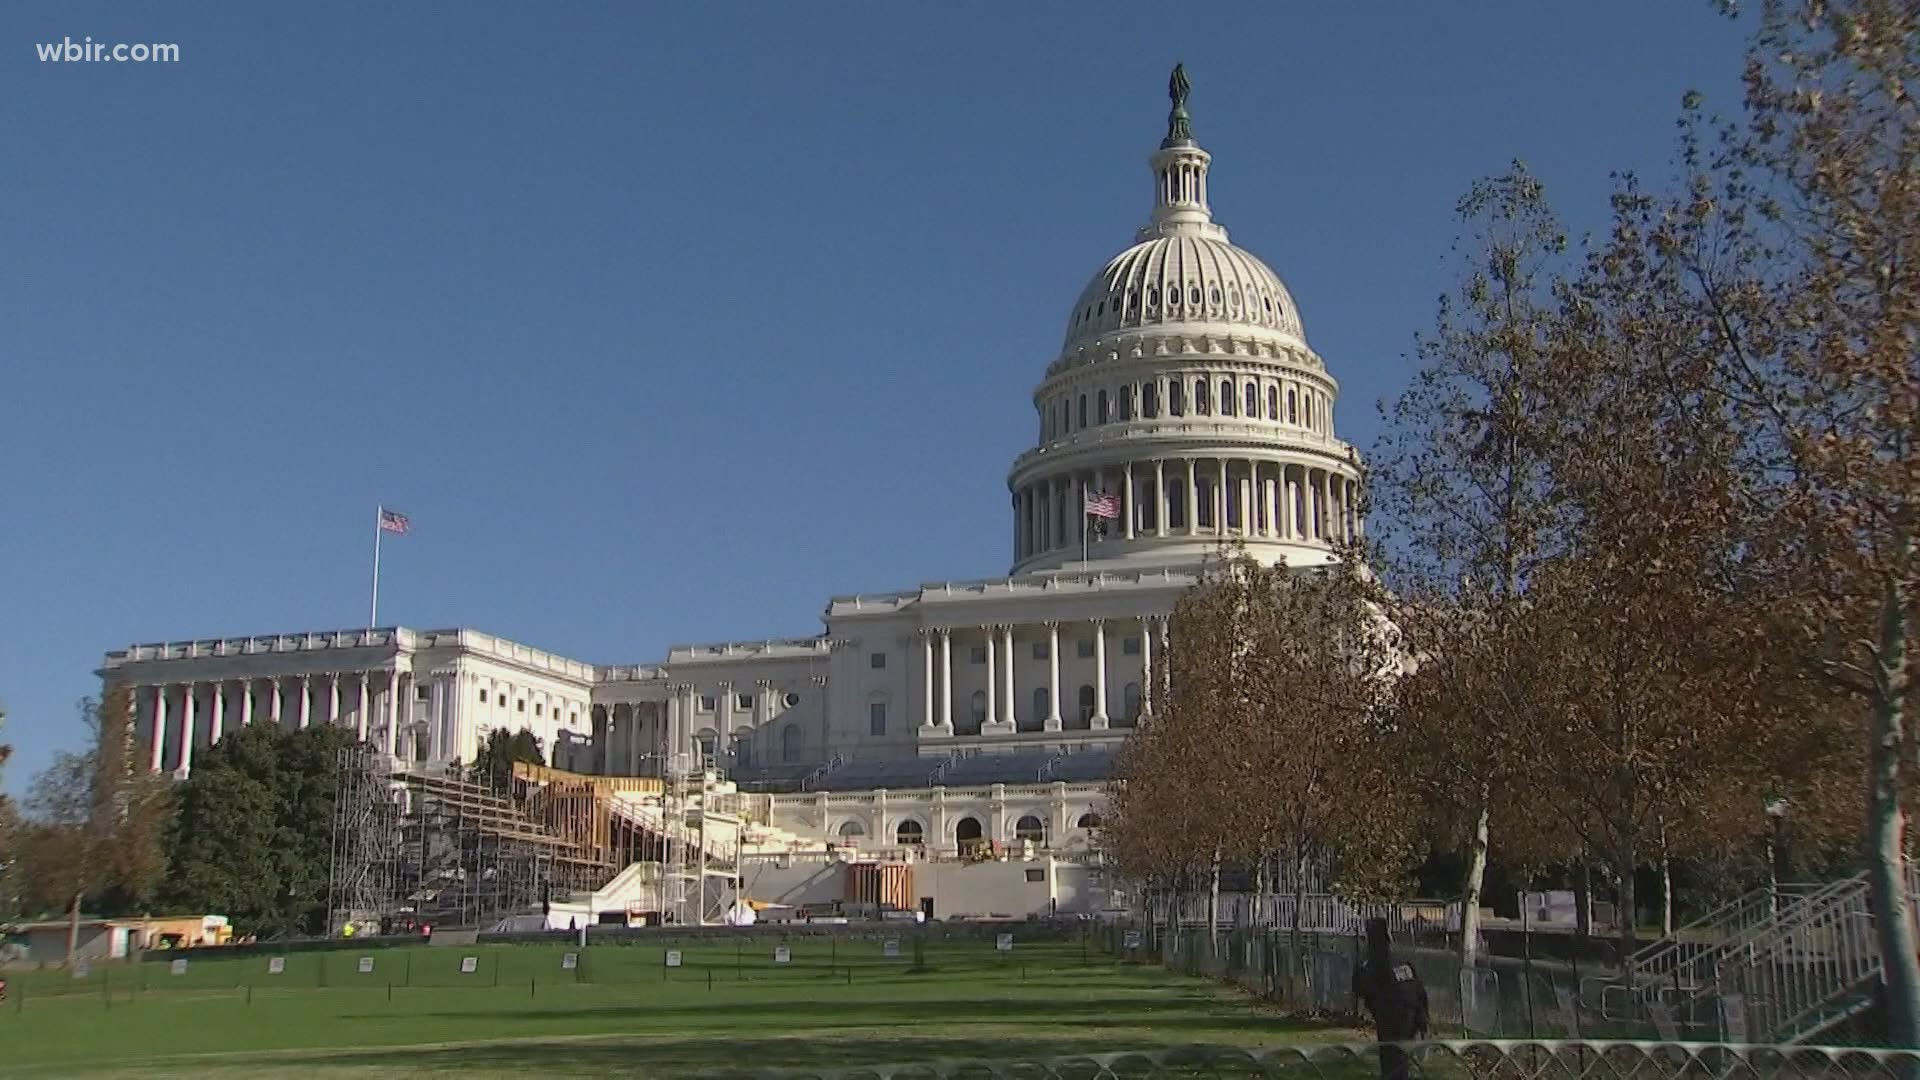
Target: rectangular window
[483,695]
[706,703]
[1130,646]
[1036,875]
[522,703]
[536,708]
[1039,650]
[743,702]
[877,661]
[979,654]
[422,693]
[877,718]
[1085,648]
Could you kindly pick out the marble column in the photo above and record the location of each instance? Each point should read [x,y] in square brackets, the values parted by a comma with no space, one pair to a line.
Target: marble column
[946,680]
[436,717]
[1160,498]
[246,703]
[926,650]
[306,703]
[273,703]
[674,722]
[333,699]
[186,730]
[1053,678]
[392,708]
[1220,501]
[1146,666]
[992,719]
[1007,698]
[1193,499]
[724,731]
[360,717]
[1132,509]
[217,724]
[159,747]
[1099,675]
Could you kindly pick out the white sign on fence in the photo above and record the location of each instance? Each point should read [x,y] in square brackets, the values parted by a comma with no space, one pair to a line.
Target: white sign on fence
[673,957]
[469,965]
[1132,939]
[366,965]
[276,965]
[1004,943]
[782,954]
[178,967]
[891,948]
[569,961]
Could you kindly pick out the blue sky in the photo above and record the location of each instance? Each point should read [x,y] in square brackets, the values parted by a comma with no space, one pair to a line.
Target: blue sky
[665,322]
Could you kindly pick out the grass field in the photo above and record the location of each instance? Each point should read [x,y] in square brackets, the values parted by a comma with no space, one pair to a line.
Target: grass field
[620,1011]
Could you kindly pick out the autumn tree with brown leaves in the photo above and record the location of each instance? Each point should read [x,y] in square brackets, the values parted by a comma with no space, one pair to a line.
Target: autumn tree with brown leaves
[1462,485]
[93,822]
[1258,753]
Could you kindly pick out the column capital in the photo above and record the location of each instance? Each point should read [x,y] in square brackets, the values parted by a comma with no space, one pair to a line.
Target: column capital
[945,632]
[764,684]
[726,684]
[1099,622]
[1051,624]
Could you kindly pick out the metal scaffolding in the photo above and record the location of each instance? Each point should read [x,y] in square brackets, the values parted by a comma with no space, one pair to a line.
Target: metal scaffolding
[423,847]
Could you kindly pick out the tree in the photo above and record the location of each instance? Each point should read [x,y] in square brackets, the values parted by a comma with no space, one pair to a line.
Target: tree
[254,832]
[1257,753]
[1462,475]
[493,765]
[9,831]
[93,825]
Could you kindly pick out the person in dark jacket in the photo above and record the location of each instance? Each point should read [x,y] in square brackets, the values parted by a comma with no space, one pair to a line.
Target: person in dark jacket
[1394,996]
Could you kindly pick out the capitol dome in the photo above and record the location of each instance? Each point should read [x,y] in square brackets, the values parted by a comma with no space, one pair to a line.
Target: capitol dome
[1183,278]
[1185,409]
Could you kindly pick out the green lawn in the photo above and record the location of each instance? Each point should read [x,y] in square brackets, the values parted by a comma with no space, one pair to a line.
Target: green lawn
[622,1012]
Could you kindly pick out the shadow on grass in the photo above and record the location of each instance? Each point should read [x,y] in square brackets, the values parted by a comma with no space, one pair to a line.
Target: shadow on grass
[717,1057]
[1075,1010]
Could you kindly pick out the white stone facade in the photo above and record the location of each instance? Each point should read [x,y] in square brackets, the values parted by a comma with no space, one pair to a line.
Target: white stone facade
[1185,389]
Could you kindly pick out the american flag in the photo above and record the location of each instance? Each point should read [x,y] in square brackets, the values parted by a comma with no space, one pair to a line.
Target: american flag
[1103,504]
[394,521]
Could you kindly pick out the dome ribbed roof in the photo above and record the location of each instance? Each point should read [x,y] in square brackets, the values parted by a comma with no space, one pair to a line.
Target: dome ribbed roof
[1183,278]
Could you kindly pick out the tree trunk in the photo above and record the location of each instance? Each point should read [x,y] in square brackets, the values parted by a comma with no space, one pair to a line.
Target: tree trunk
[1887,824]
[1666,884]
[73,929]
[1213,908]
[1299,900]
[1475,884]
[1583,900]
[1627,916]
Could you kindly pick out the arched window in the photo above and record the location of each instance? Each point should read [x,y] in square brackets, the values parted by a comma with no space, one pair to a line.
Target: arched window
[1200,403]
[1100,408]
[1176,398]
[1203,501]
[1125,404]
[1130,701]
[910,834]
[1088,821]
[1040,703]
[1030,828]
[967,831]
[1273,403]
[852,830]
[743,754]
[978,711]
[1293,406]
[1150,400]
[1083,412]
[1086,706]
[790,743]
[1226,397]
[1253,402]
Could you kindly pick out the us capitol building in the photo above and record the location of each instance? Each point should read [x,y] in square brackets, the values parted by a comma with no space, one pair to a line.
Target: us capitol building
[1185,388]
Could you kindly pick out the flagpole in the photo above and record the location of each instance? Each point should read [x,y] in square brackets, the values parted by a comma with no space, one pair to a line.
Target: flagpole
[1083,529]
[373,615]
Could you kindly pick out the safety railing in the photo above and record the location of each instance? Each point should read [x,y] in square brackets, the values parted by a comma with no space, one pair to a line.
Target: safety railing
[1505,1060]
[1672,962]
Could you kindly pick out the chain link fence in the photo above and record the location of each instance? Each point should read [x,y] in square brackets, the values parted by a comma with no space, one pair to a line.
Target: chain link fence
[1461,1060]
[1311,974]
